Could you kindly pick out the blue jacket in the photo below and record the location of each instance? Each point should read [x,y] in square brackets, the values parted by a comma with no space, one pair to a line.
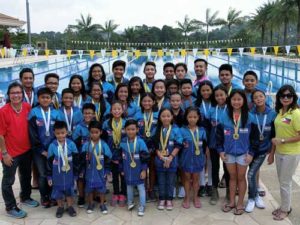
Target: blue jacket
[188,160]
[131,111]
[247,137]
[175,141]
[104,115]
[108,137]
[132,175]
[59,101]
[110,80]
[203,112]
[212,116]
[62,180]
[37,130]
[83,101]
[165,104]
[96,178]
[35,98]
[268,132]
[77,117]
[179,118]
[81,135]
[188,102]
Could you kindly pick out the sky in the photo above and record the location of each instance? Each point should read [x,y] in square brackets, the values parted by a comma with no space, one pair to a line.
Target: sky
[55,15]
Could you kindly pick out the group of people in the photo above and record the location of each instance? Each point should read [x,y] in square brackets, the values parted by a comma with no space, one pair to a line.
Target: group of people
[151,136]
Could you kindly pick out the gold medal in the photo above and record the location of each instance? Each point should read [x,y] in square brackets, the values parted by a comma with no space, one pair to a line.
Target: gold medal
[164,141]
[261,137]
[236,136]
[97,156]
[196,141]
[63,168]
[99,167]
[133,164]
[63,153]
[148,134]
[98,112]
[148,123]
[197,152]
[117,131]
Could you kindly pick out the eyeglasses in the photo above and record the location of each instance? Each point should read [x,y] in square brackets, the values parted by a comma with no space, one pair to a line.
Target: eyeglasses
[288,96]
[52,83]
[15,93]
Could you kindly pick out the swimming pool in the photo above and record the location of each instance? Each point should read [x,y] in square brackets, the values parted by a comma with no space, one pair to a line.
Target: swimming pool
[268,69]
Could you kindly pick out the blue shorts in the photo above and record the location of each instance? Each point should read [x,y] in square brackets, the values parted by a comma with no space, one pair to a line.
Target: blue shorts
[101,189]
[59,194]
[240,159]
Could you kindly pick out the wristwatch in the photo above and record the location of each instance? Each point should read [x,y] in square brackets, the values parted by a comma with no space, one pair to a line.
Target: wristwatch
[282,141]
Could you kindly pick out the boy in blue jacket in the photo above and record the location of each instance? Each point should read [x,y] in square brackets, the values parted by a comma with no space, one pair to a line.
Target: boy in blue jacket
[62,168]
[135,157]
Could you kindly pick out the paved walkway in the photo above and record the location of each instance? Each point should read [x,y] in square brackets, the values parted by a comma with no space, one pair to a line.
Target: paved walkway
[208,214]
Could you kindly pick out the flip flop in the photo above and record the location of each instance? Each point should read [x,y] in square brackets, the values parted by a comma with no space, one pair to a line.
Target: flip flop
[274,213]
[238,211]
[227,208]
[185,205]
[281,216]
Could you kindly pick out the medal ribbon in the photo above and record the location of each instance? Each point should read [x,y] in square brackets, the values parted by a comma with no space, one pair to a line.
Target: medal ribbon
[63,154]
[236,124]
[195,140]
[148,122]
[98,111]
[164,141]
[46,121]
[97,156]
[69,122]
[134,149]
[29,100]
[117,131]
[261,128]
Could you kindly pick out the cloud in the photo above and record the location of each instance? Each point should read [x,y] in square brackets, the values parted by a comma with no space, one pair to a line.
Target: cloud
[57,14]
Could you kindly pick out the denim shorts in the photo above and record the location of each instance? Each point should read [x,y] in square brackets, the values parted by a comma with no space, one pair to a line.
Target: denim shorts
[240,159]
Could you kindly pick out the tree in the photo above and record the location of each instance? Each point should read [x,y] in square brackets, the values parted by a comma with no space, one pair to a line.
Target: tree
[187,26]
[130,34]
[211,20]
[84,24]
[108,28]
[260,20]
[233,17]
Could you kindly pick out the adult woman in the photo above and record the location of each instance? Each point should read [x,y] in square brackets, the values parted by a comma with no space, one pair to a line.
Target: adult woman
[286,146]
[15,150]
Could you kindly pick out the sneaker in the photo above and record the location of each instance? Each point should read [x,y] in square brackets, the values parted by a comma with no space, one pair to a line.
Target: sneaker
[81,202]
[174,192]
[122,200]
[71,211]
[169,205]
[90,208]
[151,196]
[214,196]
[141,211]
[259,203]
[103,209]
[250,206]
[130,206]
[201,192]
[114,200]
[30,203]
[181,192]
[208,190]
[16,213]
[59,212]
[161,205]
[45,203]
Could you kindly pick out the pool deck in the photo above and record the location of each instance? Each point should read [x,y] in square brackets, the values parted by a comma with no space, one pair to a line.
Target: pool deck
[207,215]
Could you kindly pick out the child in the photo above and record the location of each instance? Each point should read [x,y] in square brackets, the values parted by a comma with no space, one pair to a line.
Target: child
[204,99]
[97,74]
[70,114]
[27,80]
[186,89]
[172,86]
[235,135]
[178,112]
[129,107]
[52,82]
[41,121]
[97,156]
[62,169]
[136,89]
[225,76]
[118,69]
[147,121]
[264,120]
[169,71]
[192,156]
[77,85]
[135,157]
[101,105]
[81,135]
[160,92]
[215,114]
[200,68]
[250,81]
[149,71]
[114,128]
[181,71]
[166,162]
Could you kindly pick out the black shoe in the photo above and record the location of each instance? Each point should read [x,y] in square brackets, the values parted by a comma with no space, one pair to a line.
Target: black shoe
[151,196]
[71,211]
[45,203]
[201,192]
[60,212]
[208,190]
[81,202]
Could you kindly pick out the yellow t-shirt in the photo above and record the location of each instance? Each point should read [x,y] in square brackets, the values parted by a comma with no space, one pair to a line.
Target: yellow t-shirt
[287,126]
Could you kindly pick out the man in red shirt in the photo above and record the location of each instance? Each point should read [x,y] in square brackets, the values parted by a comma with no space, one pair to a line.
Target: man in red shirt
[15,151]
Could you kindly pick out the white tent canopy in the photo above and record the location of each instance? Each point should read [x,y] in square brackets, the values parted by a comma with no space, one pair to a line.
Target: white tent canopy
[9,21]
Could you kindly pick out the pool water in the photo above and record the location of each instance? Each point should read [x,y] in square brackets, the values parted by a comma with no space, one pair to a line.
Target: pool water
[267,69]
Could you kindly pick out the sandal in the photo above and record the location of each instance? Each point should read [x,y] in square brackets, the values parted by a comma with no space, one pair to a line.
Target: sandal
[238,211]
[276,211]
[197,203]
[281,216]
[185,205]
[227,208]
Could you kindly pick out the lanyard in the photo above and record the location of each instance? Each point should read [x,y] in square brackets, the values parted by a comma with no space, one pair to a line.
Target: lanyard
[97,156]
[196,141]
[30,101]
[77,101]
[46,121]
[69,122]
[63,154]
[204,108]
[160,102]
[148,124]
[164,140]
[117,131]
[217,108]
[98,111]
[261,128]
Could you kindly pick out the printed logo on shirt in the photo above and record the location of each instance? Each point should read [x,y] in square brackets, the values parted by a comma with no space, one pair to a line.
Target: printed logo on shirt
[200,143]
[123,155]
[40,123]
[267,128]
[286,120]
[171,143]
[244,130]
[52,122]
[141,123]
[227,132]
[214,123]
[105,95]
[185,144]
[154,121]
[136,156]
[55,162]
